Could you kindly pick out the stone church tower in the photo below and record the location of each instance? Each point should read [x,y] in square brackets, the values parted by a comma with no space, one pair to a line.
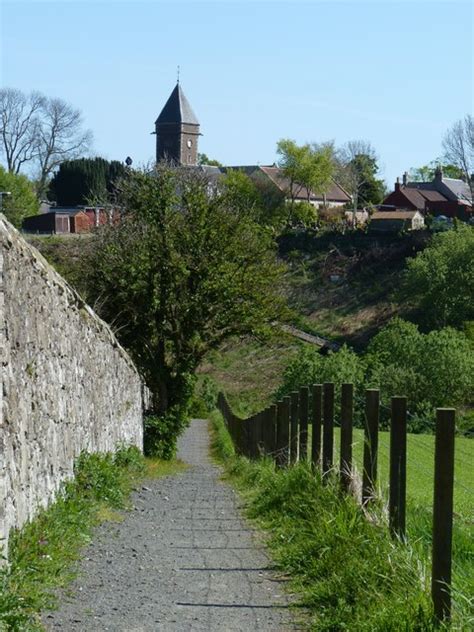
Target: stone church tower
[177,131]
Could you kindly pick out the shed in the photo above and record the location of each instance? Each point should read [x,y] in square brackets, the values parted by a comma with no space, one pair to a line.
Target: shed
[47,223]
[395,221]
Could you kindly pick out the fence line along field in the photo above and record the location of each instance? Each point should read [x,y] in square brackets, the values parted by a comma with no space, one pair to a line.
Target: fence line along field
[424,482]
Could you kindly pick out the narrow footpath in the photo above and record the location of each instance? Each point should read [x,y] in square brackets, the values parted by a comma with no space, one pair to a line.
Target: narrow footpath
[183,559]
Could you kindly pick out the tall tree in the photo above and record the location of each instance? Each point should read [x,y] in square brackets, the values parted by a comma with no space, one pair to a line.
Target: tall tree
[458,145]
[357,169]
[39,132]
[60,137]
[19,125]
[185,269]
[85,181]
[309,168]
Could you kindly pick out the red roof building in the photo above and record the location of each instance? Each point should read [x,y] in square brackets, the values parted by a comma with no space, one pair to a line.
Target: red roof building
[442,196]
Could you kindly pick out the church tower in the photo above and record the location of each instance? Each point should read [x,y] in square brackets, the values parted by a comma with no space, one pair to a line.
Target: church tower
[177,131]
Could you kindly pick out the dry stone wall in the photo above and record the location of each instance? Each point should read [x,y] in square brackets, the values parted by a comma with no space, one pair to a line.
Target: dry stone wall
[67,386]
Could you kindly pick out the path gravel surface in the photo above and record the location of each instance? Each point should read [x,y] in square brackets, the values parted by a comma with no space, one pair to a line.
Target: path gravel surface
[183,559]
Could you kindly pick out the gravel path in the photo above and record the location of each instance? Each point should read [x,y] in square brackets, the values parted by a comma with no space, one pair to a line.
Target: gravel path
[184,559]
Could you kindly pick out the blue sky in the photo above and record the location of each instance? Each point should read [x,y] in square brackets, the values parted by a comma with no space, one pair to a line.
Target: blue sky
[395,73]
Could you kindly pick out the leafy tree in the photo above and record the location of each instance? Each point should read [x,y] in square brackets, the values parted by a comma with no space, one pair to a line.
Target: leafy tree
[357,170]
[203,159]
[185,269]
[85,180]
[433,369]
[265,201]
[22,202]
[440,280]
[311,367]
[309,169]
[426,173]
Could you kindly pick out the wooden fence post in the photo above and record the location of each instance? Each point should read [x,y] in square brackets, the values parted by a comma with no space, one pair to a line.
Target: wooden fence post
[283,432]
[252,436]
[294,413]
[347,412]
[443,512]
[328,426]
[369,477]
[398,467]
[317,413]
[264,432]
[258,433]
[304,397]
[271,429]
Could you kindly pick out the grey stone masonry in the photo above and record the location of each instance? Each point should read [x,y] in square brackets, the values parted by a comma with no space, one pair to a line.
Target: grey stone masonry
[67,386]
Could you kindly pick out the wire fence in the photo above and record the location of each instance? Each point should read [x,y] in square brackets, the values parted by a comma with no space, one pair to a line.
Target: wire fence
[372,464]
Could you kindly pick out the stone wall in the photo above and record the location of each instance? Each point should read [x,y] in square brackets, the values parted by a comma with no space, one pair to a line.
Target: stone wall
[66,384]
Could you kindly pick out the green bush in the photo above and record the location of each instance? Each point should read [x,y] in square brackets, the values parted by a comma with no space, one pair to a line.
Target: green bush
[440,280]
[432,370]
[22,202]
[311,367]
[161,433]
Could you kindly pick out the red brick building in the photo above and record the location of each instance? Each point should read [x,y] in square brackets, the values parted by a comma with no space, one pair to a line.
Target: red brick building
[441,196]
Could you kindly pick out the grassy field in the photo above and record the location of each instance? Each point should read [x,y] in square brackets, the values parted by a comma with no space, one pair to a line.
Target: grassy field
[420,468]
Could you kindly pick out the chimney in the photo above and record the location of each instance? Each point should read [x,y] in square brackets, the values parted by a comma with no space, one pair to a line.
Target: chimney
[438,174]
[397,185]
[405,178]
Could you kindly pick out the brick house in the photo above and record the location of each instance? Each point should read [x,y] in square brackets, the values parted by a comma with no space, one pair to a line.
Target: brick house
[441,196]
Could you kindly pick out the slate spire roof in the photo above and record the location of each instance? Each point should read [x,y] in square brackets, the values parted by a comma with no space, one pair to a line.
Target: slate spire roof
[177,109]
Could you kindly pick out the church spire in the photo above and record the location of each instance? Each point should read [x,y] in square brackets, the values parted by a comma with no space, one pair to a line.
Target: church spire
[177,130]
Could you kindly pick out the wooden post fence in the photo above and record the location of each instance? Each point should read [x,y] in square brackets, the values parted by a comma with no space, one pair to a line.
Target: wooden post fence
[283,432]
[275,431]
[317,413]
[398,467]
[443,513]
[303,415]
[347,413]
[328,426]
[294,413]
[369,477]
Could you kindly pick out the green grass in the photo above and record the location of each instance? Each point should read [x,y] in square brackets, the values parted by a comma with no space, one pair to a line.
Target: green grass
[249,371]
[350,574]
[42,552]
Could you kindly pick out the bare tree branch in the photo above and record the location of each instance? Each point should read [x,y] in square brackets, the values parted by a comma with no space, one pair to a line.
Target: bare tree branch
[60,137]
[19,119]
[458,146]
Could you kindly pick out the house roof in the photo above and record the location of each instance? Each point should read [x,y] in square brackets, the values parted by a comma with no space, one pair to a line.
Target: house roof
[394,215]
[177,109]
[459,188]
[335,192]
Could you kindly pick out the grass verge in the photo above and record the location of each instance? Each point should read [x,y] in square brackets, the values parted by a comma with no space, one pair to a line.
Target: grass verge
[42,552]
[350,574]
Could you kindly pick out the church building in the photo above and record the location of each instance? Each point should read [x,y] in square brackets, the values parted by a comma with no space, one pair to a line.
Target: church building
[177,131]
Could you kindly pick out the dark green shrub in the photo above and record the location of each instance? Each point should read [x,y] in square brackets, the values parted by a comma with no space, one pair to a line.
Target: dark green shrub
[161,433]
